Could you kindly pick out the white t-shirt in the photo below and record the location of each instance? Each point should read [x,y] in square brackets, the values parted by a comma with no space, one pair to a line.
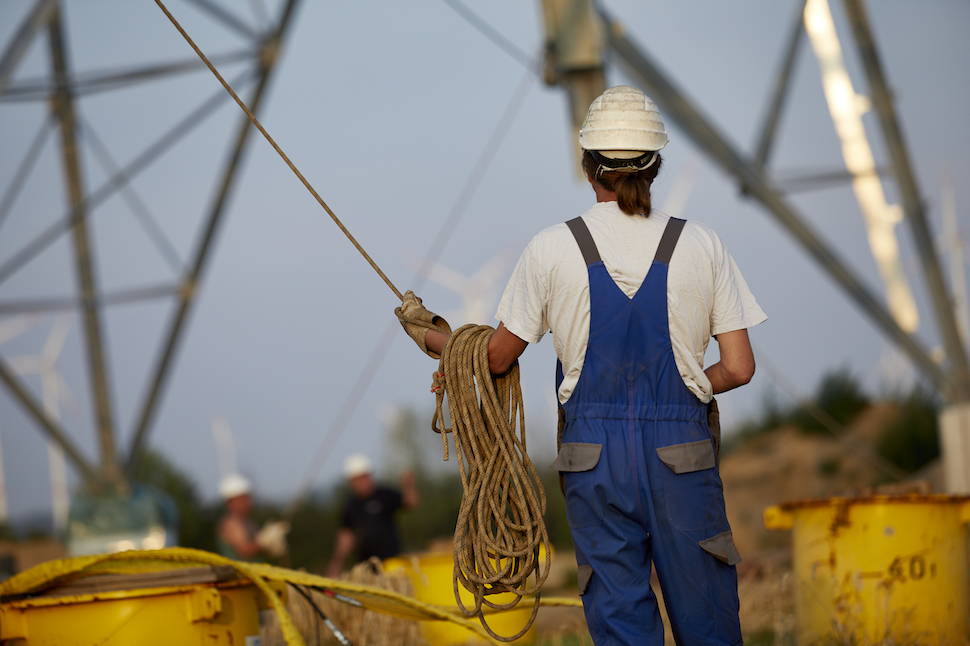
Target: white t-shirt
[549,289]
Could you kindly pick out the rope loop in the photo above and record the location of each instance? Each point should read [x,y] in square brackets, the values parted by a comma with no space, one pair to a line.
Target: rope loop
[501,543]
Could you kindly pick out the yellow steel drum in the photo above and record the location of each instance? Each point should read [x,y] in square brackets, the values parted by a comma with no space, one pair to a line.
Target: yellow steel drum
[431,578]
[198,614]
[880,570]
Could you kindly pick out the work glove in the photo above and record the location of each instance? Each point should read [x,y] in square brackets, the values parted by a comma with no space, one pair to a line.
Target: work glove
[416,320]
[272,538]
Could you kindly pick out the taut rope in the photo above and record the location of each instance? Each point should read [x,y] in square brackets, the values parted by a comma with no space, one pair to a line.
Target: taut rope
[272,142]
[500,535]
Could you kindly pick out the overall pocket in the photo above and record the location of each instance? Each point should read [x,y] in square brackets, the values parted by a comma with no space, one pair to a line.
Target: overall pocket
[693,497]
[576,462]
[721,546]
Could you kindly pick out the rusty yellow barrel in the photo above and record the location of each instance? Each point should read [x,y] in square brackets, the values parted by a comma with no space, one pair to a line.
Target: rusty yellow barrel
[431,578]
[880,569]
[153,613]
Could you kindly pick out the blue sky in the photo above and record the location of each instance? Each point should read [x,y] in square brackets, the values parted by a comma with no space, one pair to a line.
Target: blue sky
[385,107]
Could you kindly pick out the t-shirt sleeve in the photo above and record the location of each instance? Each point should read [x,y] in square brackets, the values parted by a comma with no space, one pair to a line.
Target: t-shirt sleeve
[523,306]
[734,306]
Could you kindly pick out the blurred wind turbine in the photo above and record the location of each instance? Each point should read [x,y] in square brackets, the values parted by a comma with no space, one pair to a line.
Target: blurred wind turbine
[478,292]
[10,329]
[54,391]
[16,326]
[225,447]
[680,191]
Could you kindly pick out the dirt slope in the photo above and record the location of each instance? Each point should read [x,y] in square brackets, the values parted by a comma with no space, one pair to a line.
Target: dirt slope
[788,464]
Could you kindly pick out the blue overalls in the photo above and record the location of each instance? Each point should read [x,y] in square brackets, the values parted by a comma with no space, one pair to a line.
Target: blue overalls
[640,473]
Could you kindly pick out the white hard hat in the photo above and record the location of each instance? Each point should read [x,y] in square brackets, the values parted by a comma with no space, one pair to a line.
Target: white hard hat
[357,465]
[233,485]
[623,123]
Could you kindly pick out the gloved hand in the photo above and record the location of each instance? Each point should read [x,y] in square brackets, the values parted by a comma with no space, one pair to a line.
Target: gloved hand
[416,320]
[272,537]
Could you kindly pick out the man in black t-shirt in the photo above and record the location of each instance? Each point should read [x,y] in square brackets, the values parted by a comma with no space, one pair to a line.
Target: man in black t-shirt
[367,520]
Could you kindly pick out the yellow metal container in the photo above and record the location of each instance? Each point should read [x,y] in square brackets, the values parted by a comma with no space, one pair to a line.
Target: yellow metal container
[198,614]
[431,578]
[880,570]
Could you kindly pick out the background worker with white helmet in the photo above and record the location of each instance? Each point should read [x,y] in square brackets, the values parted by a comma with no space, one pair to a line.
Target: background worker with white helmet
[632,298]
[367,521]
[239,537]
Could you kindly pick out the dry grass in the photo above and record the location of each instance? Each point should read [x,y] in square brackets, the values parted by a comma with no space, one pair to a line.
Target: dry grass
[767,605]
[767,616]
[27,554]
[562,627]
[362,627]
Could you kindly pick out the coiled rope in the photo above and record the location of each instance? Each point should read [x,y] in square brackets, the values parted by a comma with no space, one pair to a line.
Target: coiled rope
[501,542]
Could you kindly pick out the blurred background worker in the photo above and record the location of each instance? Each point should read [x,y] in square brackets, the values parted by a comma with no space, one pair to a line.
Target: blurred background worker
[633,297]
[367,520]
[239,537]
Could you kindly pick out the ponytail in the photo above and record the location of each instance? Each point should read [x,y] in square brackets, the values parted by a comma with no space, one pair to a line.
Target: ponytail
[632,188]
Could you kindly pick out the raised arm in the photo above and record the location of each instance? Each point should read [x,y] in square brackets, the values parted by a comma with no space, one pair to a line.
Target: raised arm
[410,498]
[344,545]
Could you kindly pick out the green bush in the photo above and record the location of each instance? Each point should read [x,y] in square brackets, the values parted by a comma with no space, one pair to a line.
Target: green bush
[829,466]
[773,415]
[196,523]
[840,399]
[313,528]
[837,401]
[912,440]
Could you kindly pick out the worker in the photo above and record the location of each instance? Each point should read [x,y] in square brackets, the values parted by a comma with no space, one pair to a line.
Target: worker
[239,537]
[367,521]
[632,297]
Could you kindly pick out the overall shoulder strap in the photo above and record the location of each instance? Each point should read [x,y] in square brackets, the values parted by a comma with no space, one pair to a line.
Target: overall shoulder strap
[669,240]
[585,241]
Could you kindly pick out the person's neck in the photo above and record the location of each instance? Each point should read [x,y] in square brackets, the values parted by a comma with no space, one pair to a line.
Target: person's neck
[603,195]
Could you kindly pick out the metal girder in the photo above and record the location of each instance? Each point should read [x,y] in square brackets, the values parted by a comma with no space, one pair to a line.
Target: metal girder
[41,13]
[780,92]
[492,34]
[54,432]
[271,48]
[794,182]
[23,169]
[137,205]
[111,79]
[706,136]
[152,152]
[59,304]
[915,214]
[63,108]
